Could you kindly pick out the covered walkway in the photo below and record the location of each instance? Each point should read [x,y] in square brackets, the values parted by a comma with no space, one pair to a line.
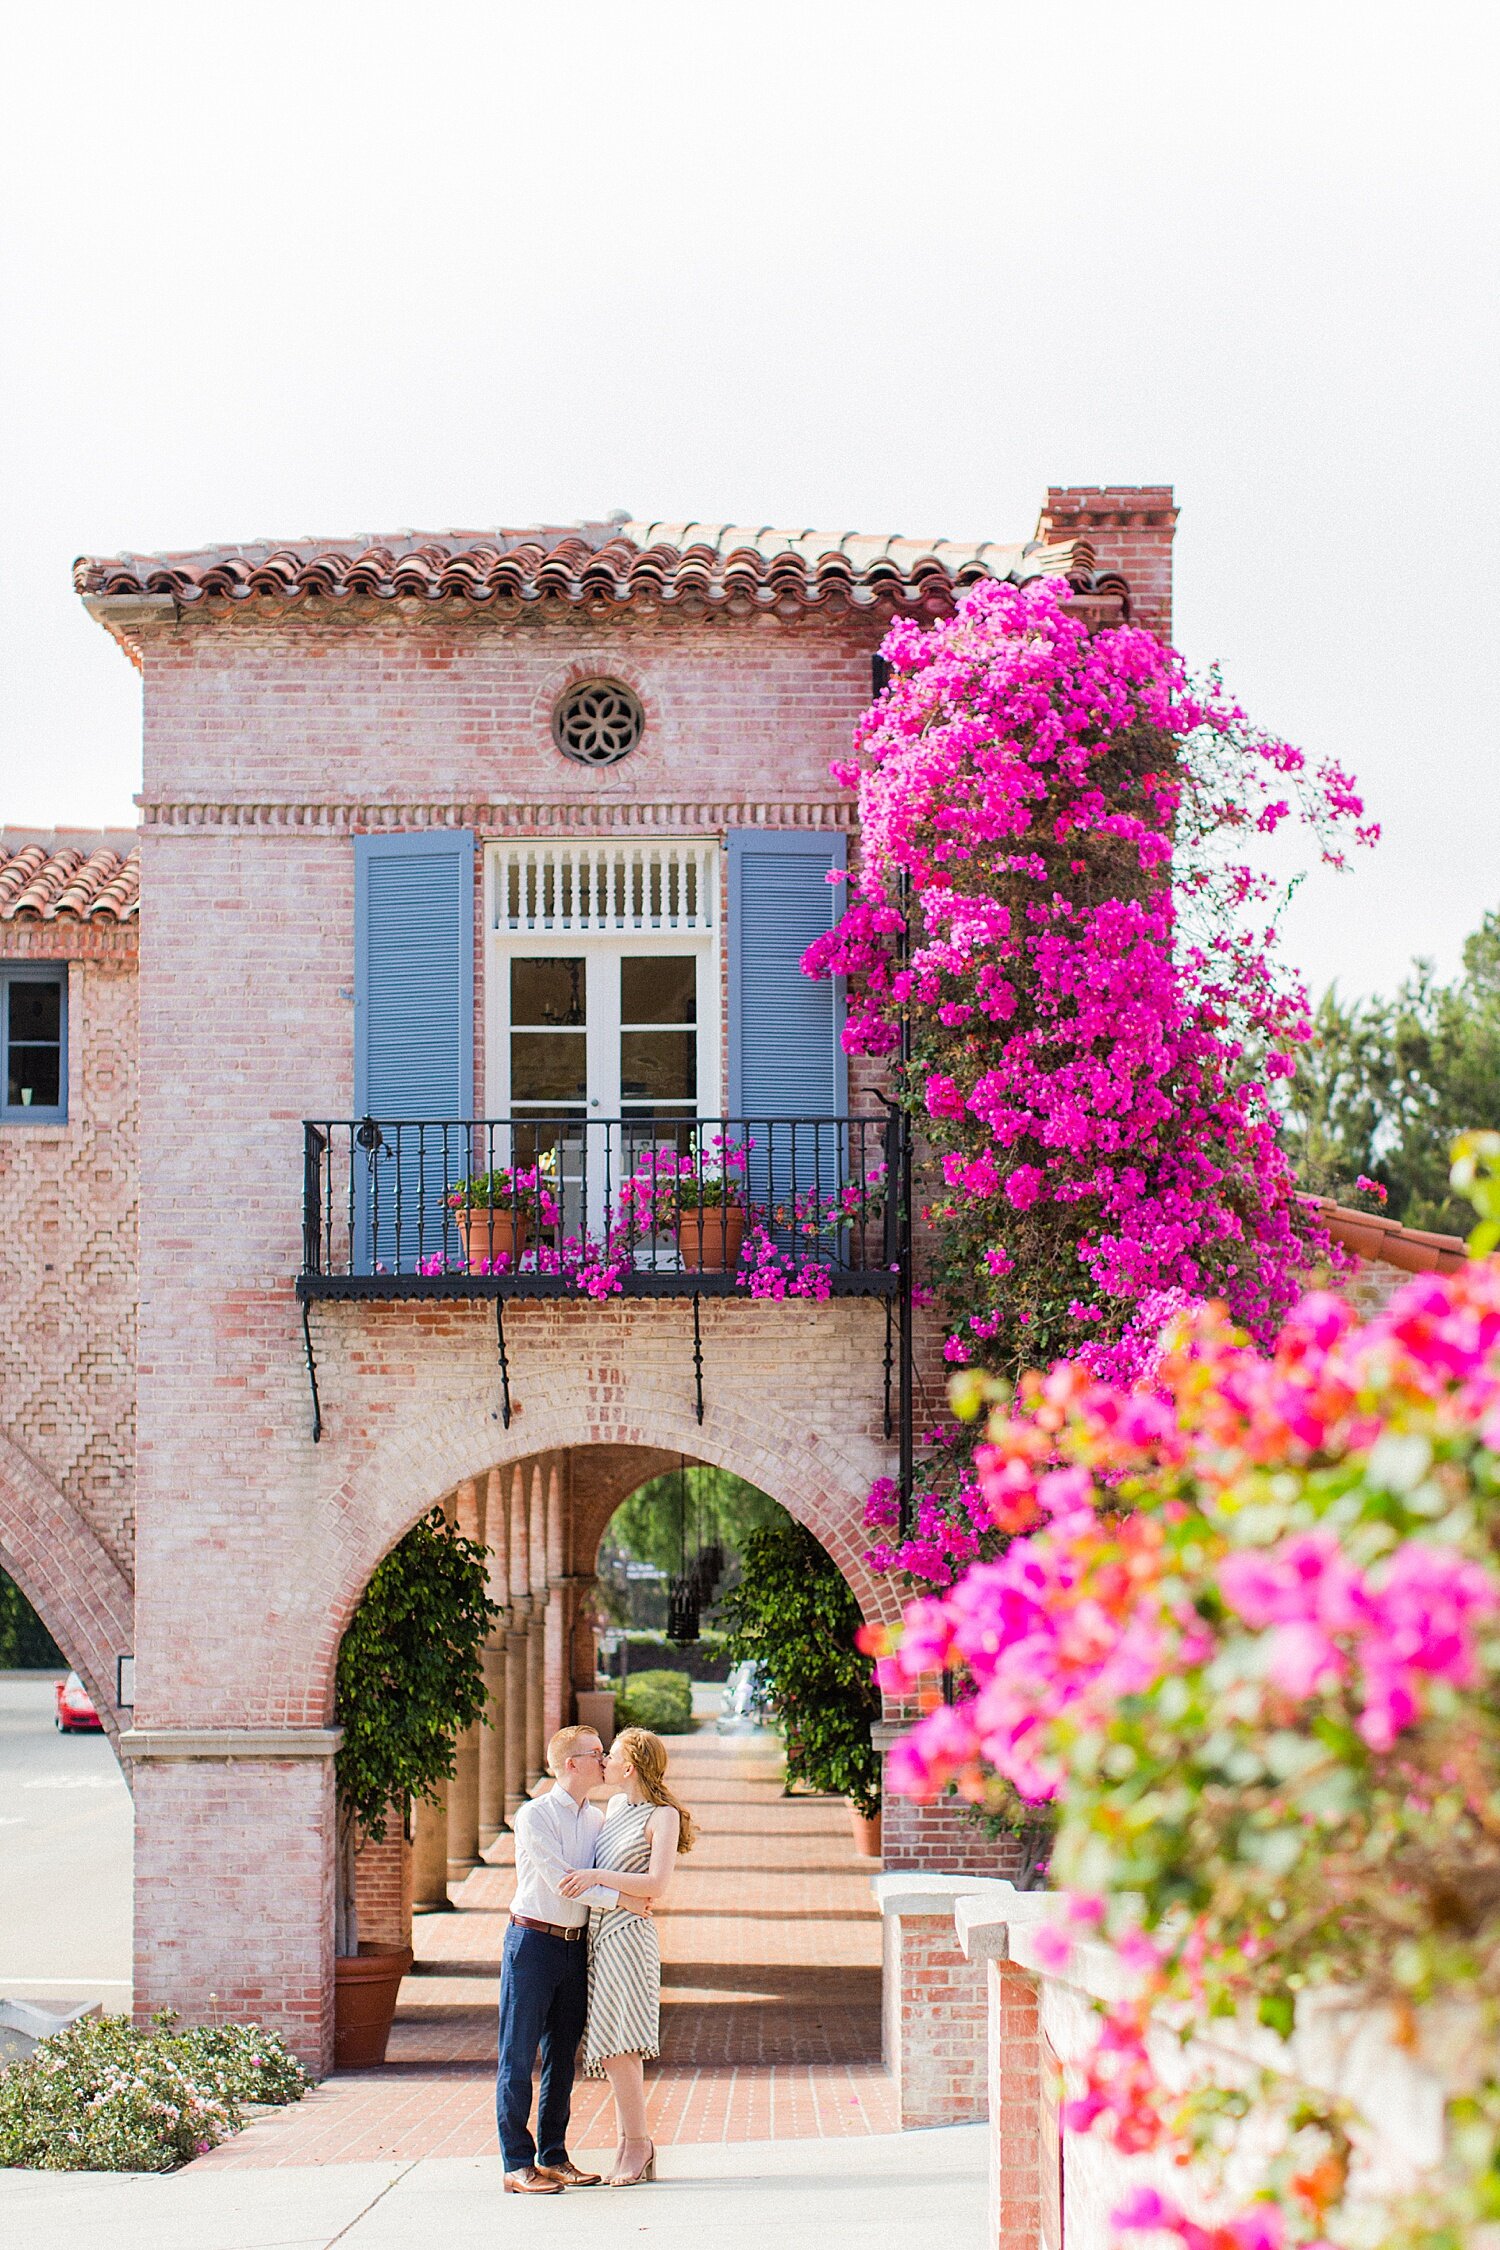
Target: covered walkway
[770,2003]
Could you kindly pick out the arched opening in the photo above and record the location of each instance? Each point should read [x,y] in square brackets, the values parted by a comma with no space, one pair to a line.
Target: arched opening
[66,1842]
[772,1944]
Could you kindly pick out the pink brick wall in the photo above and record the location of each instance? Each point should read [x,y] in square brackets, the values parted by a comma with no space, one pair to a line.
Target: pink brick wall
[382,1886]
[68,1279]
[255,1545]
[68,1289]
[234,1893]
[944,1839]
[1130,528]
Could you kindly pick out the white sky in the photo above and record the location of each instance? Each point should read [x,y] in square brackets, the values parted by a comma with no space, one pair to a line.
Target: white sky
[839,263]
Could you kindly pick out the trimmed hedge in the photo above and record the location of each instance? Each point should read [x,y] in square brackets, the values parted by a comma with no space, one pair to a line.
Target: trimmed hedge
[662,1702]
[705,1660]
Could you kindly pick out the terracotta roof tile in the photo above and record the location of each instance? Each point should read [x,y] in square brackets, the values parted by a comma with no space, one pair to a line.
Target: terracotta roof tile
[1374,1238]
[614,562]
[49,872]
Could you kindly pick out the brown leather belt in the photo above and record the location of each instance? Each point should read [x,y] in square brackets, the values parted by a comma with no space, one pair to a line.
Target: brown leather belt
[552,1929]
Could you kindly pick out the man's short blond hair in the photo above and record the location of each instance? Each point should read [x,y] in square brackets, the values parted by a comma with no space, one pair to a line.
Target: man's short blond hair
[564,1745]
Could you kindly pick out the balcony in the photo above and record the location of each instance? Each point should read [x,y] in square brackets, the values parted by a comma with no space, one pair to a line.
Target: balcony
[569,1205]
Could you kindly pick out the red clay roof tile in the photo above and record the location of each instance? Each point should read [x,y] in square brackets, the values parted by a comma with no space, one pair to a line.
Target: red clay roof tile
[70,871]
[615,562]
[1375,1238]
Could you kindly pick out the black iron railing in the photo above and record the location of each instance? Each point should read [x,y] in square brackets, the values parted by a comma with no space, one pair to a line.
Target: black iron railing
[564,1205]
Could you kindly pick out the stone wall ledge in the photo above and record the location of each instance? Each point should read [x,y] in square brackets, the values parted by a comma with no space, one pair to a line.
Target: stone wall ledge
[230,1743]
[909,1891]
[1343,2046]
[987,1918]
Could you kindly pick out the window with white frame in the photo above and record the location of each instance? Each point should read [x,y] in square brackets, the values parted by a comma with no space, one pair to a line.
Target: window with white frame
[603,990]
[33,1043]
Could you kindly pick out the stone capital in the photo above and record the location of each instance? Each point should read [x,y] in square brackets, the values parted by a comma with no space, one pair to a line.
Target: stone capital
[229,1743]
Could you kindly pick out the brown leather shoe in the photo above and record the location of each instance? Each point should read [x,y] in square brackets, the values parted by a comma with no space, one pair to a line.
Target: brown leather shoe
[532,2180]
[568,2175]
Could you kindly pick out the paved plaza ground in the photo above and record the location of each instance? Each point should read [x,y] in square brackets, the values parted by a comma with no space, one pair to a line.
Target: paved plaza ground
[770,1996]
[898,2191]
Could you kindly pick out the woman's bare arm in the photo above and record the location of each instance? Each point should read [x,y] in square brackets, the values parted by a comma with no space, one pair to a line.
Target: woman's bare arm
[662,1828]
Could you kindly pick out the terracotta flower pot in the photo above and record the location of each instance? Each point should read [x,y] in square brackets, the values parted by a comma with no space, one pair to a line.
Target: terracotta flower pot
[709,1240]
[364,2001]
[489,1234]
[866,1828]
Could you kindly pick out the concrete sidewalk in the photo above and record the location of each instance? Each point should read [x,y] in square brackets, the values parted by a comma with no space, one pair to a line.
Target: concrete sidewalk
[890,2191]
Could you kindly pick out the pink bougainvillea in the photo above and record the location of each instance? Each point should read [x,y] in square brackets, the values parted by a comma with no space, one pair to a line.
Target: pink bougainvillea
[1048,891]
[1244,1637]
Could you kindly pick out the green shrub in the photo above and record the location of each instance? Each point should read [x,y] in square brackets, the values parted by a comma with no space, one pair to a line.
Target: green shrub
[107,2096]
[662,1702]
[793,1613]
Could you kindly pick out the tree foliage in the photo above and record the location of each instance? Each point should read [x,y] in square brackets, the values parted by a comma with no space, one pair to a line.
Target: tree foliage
[793,1613]
[410,1676]
[1384,1086]
[24,1639]
[722,1510]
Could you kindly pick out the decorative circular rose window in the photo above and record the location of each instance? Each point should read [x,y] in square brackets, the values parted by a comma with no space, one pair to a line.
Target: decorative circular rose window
[597,722]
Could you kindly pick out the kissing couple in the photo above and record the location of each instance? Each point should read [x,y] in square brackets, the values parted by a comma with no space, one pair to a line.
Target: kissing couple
[581,1959]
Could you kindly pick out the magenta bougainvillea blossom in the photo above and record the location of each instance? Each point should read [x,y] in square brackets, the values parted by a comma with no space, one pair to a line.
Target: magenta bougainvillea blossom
[1244,1638]
[1050,889]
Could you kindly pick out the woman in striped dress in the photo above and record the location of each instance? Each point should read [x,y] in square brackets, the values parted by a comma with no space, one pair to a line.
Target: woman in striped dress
[644,1830]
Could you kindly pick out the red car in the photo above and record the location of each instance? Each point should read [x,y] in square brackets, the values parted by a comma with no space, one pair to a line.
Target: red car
[75,1713]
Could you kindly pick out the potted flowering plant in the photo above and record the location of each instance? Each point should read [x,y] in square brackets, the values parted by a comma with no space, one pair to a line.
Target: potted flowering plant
[710,1200]
[496,1212]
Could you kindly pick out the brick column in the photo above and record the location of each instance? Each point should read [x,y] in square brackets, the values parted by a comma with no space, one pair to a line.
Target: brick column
[934,2018]
[463,1806]
[517,1642]
[516,1645]
[1025,2147]
[463,1789]
[429,1854]
[222,1922]
[536,1652]
[492,1737]
[382,1885]
[492,1746]
[557,1699]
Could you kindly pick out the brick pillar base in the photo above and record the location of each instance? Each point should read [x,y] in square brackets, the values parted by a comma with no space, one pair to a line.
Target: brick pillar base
[1025,2152]
[934,2013]
[234,1868]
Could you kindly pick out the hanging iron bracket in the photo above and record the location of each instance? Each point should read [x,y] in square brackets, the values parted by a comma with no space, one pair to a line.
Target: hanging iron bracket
[697,1356]
[504,1362]
[312,1370]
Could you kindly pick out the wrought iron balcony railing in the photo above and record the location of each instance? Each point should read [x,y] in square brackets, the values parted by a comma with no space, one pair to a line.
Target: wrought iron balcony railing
[572,1205]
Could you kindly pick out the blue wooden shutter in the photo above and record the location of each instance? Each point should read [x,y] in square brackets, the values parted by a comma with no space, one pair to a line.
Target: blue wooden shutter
[785,1055]
[413,1034]
[785,1058]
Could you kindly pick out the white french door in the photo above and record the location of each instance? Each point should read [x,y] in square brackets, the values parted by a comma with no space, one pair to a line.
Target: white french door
[603,1029]
[602,1004]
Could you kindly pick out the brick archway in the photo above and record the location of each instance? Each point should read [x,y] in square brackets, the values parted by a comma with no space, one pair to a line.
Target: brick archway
[818,1480]
[82,1596]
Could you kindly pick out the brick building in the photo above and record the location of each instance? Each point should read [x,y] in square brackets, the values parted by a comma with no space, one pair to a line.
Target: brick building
[529,827]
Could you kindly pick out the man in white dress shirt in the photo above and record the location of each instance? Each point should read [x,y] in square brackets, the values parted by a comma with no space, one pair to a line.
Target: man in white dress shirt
[544,1977]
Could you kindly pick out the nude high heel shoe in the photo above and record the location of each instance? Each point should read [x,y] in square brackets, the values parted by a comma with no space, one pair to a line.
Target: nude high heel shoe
[646,2172]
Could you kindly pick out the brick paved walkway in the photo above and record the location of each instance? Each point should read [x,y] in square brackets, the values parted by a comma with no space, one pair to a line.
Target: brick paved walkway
[770,1995]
